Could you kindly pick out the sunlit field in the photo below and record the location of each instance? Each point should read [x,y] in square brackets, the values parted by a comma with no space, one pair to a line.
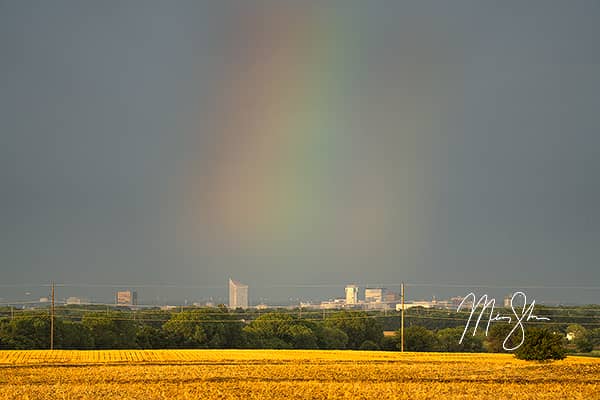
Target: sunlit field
[284,374]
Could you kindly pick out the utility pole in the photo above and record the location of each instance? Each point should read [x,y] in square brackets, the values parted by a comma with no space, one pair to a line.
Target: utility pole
[12,312]
[52,318]
[402,318]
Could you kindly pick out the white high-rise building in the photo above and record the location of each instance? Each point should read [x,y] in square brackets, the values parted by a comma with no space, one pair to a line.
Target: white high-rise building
[351,294]
[507,300]
[238,294]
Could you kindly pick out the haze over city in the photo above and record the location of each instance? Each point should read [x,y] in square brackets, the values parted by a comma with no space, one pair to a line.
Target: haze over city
[299,148]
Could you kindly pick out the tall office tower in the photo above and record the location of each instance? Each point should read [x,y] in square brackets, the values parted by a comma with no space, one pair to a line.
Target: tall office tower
[238,294]
[351,294]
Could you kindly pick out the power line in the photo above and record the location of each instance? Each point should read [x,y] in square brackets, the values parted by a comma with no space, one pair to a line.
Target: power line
[237,320]
[299,285]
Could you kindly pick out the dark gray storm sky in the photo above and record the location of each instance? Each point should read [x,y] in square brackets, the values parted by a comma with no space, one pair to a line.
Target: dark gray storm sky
[184,142]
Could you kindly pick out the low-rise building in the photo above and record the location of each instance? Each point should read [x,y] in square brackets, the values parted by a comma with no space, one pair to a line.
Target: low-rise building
[374,295]
[126,298]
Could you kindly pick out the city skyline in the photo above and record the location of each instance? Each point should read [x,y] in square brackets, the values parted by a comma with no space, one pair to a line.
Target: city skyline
[324,295]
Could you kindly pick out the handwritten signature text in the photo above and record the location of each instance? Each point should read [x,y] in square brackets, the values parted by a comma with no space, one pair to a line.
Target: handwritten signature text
[520,315]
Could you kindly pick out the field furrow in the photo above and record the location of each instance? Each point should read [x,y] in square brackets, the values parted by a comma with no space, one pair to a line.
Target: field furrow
[283,374]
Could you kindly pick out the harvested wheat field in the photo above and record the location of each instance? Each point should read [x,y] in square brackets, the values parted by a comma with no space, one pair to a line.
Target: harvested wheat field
[284,374]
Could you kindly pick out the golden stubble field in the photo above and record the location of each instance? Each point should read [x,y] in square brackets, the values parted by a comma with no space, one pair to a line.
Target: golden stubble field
[290,374]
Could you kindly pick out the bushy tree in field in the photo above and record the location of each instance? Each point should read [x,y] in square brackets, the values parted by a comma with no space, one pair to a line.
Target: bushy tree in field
[331,338]
[72,335]
[111,331]
[580,337]
[584,343]
[595,336]
[497,334]
[541,345]
[26,332]
[150,337]
[203,328]
[449,338]
[418,338]
[369,345]
[575,331]
[390,343]
[302,337]
[269,331]
[358,326]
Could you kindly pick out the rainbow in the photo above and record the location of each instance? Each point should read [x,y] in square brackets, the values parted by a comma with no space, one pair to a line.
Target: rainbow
[291,165]
[282,131]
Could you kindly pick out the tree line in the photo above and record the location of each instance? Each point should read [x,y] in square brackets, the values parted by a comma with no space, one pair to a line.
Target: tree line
[223,328]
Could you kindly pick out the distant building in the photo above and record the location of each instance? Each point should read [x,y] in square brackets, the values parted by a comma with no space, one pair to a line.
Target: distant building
[418,303]
[507,300]
[332,304]
[238,294]
[455,301]
[442,304]
[390,297]
[126,298]
[377,306]
[351,294]
[74,300]
[374,295]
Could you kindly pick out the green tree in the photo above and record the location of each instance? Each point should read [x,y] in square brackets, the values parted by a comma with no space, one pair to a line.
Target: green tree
[270,331]
[149,337]
[583,344]
[358,326]
[72,335]
[575,331]
[595,336]
[580,337]
[418,338]
[282,330]
[302,337]
[448,340]
[26,332]
[111,331]
[331,338]
[369,345]
[390,343]
[496,336]
[154,318]
[205,328]
[540,345]
[185,330]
